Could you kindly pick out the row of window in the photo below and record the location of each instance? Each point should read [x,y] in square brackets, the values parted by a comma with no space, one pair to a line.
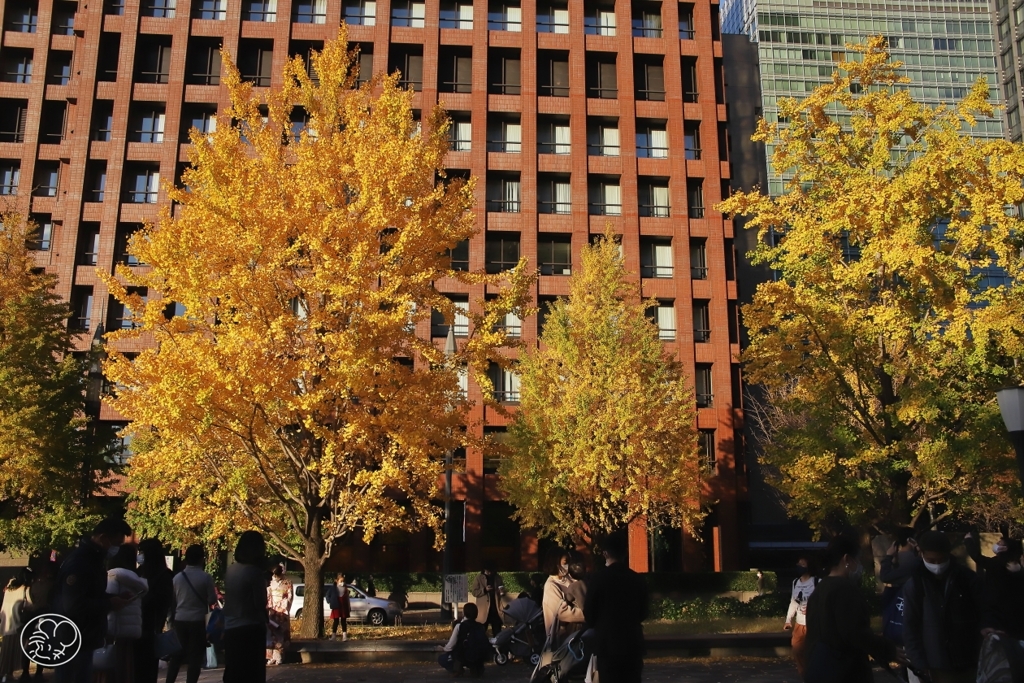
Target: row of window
[22,16]
[876,26]
[141,183]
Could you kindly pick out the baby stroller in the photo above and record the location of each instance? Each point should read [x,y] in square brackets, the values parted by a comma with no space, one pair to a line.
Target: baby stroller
[559,660]
[525,636]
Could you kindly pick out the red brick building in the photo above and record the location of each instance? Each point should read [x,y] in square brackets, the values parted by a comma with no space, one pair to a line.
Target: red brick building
[572,115]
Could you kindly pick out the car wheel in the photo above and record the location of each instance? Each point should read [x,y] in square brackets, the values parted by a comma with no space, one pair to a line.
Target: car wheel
[377,617]
[500,658]
[298,613]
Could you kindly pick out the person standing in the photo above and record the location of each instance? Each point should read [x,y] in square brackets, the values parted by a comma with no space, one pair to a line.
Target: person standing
[341,606]
[245,612]
[840,643]
[558,604]
[194,592]
[81,594]
[157,603]
[489,591]
[13,610]
[124,625]
[279,605]
[941,615]
[616,606]
[40,594]
[796,616]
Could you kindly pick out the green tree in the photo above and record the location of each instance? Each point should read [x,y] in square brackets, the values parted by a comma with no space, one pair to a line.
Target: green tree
[604,433]
[897,310]
[50,461]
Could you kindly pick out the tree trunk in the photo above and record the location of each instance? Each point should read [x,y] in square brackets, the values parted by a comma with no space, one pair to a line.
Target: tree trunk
[899,510]
[313,599]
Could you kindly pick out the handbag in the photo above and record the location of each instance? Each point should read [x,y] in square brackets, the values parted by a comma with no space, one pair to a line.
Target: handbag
[211,657]
[103,658]
[166,644]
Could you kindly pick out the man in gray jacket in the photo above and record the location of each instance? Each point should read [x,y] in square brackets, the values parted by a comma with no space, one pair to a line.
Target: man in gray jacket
[941,622]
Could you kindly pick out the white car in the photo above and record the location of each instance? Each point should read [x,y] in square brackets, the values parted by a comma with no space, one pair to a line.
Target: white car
[374,611]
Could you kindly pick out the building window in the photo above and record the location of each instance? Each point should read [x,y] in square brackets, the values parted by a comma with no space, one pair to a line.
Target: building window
[408,61]
[95,181]
[656,257]
[691,139]
[553,74]
[664,316]
[119,316]
[706,448]
[459,256]
[407,13]
[455,69]
[153,60]
[163,9]
[602,80]
[505,134]
[506,384]
[649,77]
[59,67]
[142,184]
[651,140]
[365,64]
[64,18]
[603,137]
[47,179]
[360,12]
[255,61]
[22,17]
[13,117]
[147,122]
[10,176]
[552,17]
[511,324]
[17,65]
[113,7]
[690,93]
[457,14]
[699,259]
[461,133]
[702,385]
[42,238]
[654,201]
[545,304]
[502,16]
[201,117]
[310,12]
[53,121]
[501,251]
[503,194]
[695,198]
[125,231]
[701,321]
[686,31]
[944,43]
[439,326]
[88,251]
[553,135]
[605,197]
[102,120]
[81,308]
[554,254]
[210,9]
[554,194]
[202,63]
[260,10]
[599,20]
[109,56]
[504,71]
[647,20]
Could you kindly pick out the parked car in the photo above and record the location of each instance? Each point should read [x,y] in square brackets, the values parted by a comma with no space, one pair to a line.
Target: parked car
[374,611]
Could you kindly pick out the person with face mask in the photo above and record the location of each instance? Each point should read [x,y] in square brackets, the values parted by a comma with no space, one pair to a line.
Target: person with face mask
[941,620]
[81,594]
[558,603]
[796,616]
[840,643]
[489,591]
[1002,612]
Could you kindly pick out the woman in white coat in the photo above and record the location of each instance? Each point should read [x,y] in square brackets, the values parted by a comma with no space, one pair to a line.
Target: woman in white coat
[15,604]
[124,626]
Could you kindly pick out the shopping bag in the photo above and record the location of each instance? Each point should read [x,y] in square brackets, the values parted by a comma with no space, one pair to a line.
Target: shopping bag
[166,644]
[103,658]
[211,657]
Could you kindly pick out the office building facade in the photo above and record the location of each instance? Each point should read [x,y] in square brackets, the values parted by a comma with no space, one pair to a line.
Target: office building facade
[572,115]
[1009,30]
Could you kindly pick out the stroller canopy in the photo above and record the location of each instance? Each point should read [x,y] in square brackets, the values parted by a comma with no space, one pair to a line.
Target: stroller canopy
[524,610]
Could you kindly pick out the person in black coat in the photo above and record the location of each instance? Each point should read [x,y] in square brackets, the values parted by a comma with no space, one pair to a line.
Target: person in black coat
[156,605]
[81,594]
[616,606]
[1003,594]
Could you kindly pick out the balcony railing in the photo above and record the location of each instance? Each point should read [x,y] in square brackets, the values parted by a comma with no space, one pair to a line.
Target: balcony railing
[704,400]
[503,205]
[555,207]
[693,153]
[650,271]
[605,209]
[698,272]
[701,335]
[504,146]
[654,210]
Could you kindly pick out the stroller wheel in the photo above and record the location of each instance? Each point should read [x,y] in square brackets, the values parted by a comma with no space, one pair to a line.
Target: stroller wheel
[534,659]
[500,658]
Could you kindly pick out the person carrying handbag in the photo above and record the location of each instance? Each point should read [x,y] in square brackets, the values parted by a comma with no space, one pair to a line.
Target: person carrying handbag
[194,592]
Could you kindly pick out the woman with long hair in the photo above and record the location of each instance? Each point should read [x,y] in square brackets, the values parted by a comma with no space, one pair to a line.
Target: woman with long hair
[560,604]
[12,618]
[279,605]
[245,612]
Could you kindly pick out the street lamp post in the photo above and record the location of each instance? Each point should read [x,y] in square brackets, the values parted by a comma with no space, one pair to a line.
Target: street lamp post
[450,349]
[1011,405]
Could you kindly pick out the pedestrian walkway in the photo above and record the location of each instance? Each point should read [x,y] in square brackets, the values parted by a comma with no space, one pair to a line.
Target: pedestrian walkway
[734,670]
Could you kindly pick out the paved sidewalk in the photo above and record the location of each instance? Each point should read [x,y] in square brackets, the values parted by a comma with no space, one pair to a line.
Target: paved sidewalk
[737,670]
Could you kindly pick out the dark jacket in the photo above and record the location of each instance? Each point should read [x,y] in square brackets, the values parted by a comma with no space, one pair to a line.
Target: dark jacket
[1003,601]
[839,637]
[896,569]
[158,600]
[332,597]
[81,592]
[616,606]
[941,619]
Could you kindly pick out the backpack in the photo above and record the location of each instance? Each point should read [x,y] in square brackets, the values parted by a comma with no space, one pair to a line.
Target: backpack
[892,615]
[473,646]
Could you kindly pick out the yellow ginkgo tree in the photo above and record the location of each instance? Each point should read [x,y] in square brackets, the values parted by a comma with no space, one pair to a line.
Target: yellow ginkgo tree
[898,305]
[285,388]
